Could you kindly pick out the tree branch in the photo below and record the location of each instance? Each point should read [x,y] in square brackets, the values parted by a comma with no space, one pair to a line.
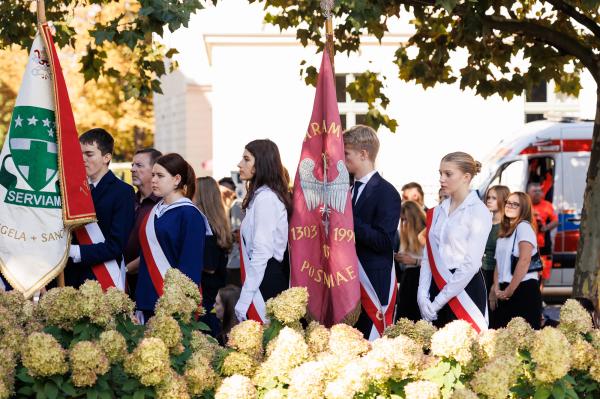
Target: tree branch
[572,12]
[560,41]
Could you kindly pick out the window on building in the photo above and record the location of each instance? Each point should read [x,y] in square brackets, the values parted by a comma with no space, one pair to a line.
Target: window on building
[536,102]
[538,93]
[351,112]
[542,102]
[533,117]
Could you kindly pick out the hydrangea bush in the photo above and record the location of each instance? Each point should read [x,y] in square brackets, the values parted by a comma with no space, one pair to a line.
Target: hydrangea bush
[87,344]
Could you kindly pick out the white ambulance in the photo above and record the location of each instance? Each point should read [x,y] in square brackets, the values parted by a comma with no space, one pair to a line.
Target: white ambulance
[556,155]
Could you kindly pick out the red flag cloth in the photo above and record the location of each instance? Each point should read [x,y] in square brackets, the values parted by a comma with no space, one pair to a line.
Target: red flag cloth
[322,249]
[77,205]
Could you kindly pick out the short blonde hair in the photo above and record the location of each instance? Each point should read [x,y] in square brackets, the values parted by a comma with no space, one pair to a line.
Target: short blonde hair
[465,162]
[361,137]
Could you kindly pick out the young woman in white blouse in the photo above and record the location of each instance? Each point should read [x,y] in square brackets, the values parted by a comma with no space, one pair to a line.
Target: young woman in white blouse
[451,285]
[264,230]
[517,289]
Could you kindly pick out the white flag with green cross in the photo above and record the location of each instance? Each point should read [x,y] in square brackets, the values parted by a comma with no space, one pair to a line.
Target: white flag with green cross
[33,240]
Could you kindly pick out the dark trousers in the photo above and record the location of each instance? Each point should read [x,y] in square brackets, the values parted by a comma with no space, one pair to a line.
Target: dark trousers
[407,305]
[525,302]
[475,289]
[276,278]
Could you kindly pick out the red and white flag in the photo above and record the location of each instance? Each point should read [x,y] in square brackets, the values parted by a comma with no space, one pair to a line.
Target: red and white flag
[322,248]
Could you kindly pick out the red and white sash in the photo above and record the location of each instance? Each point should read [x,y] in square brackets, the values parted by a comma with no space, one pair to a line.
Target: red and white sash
[381,316]
[110,273]
[155,258]
[461,305]
[258,309]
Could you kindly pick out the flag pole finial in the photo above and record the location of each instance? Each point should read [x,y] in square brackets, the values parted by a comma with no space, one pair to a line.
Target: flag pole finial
[327,6]
[41,12]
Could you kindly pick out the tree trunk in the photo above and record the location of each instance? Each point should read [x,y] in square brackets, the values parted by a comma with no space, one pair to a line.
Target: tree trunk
[587,276]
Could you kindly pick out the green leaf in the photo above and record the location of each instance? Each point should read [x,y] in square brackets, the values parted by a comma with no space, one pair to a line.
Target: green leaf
[69,389]
[542,392]
[130,385]
[272,331]
[24,376]
[50,390]
[138,395]
[26,391]
[92,394]
[558,391]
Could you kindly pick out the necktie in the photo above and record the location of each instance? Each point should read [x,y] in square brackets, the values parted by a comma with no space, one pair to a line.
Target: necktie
[357,185]
[92,187]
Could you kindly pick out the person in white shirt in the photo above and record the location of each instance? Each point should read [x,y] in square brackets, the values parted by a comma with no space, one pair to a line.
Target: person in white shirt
[516,288]
[264,230]
[451,285]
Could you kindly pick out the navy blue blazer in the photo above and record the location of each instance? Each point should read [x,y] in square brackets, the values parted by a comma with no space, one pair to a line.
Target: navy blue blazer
[376,218]
[114,203]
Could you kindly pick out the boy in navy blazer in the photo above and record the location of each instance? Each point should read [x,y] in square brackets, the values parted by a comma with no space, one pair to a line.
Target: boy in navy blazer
[114,203]
[376,210]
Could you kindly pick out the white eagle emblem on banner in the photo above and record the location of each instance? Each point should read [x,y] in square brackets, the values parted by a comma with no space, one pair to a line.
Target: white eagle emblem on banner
[329,194]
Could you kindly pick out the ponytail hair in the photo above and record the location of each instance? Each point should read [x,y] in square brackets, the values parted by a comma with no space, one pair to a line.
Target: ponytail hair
[465,162]
[176,165]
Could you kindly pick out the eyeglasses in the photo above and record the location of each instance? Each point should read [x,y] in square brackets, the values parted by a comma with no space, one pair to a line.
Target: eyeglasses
[513,205]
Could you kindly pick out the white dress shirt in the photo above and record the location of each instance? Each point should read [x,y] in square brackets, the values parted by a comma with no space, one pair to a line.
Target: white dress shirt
[74,250]
[265,234]
[364,180]
[504,247]
[460,238]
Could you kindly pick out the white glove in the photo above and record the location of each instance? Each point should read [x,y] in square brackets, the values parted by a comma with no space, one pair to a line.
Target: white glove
[427,311]
[437,304]
[241,310]
[75,253]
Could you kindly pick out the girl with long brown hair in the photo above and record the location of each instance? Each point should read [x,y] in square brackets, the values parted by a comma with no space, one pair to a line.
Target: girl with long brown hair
[225,302]
[412,222]
[264,230]
[217,246]
[495,200]
[516,278]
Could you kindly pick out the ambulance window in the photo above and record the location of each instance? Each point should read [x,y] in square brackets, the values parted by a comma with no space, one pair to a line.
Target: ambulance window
[541,170]
[575,171]
[511,176]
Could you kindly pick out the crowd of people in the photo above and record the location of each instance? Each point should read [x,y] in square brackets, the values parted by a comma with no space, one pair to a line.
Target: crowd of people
[481,261]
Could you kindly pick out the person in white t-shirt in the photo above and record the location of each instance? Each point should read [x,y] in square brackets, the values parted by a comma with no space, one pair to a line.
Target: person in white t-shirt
[517,289]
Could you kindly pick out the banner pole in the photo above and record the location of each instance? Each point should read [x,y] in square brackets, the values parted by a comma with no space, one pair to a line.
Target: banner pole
[41,20]
[327,7]
[41,12]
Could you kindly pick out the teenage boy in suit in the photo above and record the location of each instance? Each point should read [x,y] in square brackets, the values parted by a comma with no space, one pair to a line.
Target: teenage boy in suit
[376,210]
[114,203]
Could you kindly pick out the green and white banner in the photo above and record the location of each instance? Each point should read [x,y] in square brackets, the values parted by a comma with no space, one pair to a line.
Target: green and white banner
[33,240]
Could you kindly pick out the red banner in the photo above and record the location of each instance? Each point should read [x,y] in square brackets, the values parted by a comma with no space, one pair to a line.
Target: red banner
[322,248]
[77,204]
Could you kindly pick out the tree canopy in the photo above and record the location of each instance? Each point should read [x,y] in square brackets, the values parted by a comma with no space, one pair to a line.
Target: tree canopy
[511,45]
[124,25]
[108,55]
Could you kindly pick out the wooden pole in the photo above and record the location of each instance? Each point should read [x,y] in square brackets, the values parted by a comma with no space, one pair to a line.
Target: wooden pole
[41,12]
[327,7]
[41,19]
